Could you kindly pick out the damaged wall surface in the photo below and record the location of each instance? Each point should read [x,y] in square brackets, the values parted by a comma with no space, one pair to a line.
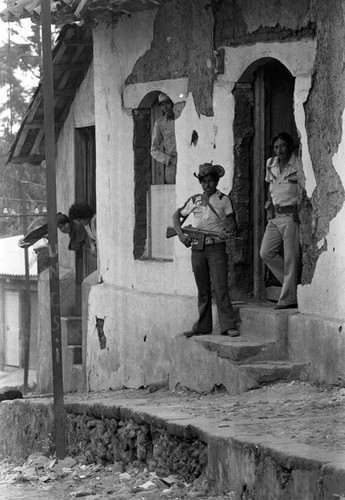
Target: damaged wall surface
[182,46]
[240,22]
[324,110]
[143,303]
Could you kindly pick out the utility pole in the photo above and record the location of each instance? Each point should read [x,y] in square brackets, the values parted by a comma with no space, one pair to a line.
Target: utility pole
[27,320]
[49,134]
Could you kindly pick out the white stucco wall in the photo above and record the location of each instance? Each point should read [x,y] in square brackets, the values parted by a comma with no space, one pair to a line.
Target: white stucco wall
[145,303]
[141,298]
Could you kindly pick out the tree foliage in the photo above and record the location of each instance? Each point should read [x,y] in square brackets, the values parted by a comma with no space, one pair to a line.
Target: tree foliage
[19,57]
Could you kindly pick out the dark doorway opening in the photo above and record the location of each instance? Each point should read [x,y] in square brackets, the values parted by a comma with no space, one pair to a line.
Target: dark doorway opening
[263,107]
[85,190]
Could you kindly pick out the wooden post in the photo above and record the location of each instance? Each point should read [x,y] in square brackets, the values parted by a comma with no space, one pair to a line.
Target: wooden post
[27,320]
[49,134]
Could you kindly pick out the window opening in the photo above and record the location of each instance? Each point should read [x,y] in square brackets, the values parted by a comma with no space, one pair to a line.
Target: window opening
[154,198]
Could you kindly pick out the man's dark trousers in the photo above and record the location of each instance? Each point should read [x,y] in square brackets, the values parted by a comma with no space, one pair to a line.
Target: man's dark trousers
[212,264]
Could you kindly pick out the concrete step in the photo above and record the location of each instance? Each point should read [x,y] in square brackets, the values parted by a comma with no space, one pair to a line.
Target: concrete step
[242,349]
[71,334]
[71,329]
[258,356]
[261,321]
[75,354]
[209,361]
[78,375]
[275,371]
[72,357]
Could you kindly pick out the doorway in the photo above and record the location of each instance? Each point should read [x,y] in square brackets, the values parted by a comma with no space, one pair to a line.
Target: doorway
[263,107]
[12,329]
[85,191]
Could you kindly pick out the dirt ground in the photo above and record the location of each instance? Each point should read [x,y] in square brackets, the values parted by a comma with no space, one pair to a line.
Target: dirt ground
[300,411]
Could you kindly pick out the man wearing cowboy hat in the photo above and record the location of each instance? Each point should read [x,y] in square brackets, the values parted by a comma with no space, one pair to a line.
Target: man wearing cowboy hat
[163,144]
[212,211]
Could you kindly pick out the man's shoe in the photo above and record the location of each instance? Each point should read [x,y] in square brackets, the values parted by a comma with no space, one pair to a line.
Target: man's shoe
[231,332]
[288,306]
[191,333]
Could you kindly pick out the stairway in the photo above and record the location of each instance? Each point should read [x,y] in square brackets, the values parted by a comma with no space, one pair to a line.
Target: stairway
[71,334]
[258,356]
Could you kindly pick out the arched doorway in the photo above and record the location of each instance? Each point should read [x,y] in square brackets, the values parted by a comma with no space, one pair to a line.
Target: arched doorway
[263,107]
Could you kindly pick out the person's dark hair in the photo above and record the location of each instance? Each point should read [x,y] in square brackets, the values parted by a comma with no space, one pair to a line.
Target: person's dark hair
[81,210]
[283,136]
[61,218]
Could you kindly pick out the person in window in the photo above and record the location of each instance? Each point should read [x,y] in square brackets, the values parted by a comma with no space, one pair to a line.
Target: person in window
[212,211]
[86,216]
[76,231]
[163,144]
[284,175]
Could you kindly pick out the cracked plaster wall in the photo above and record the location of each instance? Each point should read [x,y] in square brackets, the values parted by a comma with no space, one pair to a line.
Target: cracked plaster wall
[182,46]
[246,23]
[144,49]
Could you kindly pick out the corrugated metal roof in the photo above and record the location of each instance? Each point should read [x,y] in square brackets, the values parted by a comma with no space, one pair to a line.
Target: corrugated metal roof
[12,258]
[71,11]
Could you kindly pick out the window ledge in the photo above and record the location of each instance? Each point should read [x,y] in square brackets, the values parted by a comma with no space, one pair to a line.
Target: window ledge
[155,259]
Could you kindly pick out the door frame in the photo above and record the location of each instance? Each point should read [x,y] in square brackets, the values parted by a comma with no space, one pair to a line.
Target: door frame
[15,359]
[253,128]
[258,180]
[85,191]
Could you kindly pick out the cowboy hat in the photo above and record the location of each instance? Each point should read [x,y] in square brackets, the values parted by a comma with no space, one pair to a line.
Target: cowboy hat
[162,98]
[208,168]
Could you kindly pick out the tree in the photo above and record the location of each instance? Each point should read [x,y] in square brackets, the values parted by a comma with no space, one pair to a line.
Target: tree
[20,71]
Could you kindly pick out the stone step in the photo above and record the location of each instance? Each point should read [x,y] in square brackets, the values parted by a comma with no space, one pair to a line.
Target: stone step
[71,329]
[243,348]
[197,365]
[75,353]
[78,375]
[72,357]
[275,371]
[261,321]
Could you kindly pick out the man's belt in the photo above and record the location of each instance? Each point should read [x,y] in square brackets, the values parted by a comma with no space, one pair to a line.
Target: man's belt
[287,209]
[211,241]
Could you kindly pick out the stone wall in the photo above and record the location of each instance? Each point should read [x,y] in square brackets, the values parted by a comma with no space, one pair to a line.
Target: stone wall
[100,434]
[127,440]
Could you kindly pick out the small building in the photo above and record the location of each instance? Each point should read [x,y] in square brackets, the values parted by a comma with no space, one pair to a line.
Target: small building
[13,305]
[238,72]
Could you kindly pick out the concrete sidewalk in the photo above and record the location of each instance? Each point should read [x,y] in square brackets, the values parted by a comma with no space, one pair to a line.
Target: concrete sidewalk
[280,442]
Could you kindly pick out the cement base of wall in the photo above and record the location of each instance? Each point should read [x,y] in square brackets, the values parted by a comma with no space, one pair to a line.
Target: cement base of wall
[143,337]
[319,342]
[67,294]
[138,331]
